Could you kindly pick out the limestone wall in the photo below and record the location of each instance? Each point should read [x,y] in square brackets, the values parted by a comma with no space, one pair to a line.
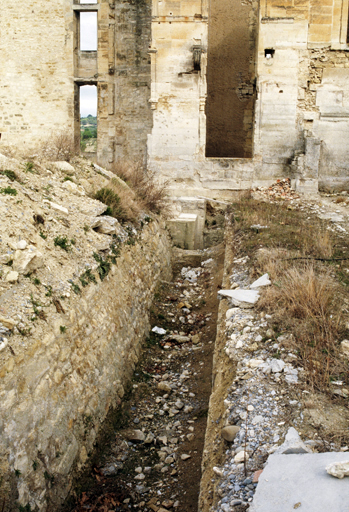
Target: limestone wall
[54,399]
[36,70]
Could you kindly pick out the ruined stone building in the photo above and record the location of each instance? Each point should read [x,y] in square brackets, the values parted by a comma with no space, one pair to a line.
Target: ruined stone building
[216,96]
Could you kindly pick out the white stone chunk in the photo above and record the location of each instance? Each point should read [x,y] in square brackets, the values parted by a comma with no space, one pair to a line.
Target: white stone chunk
[105,224]
[56,207]
[12,277]
[262,281]
[277,365]
[28,260]
[159,330]
[63,166]
[241,457]
[338,469]
[241,298]
[22,244]
[255,363]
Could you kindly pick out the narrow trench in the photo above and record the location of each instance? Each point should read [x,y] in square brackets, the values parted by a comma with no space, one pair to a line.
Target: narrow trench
[149,456]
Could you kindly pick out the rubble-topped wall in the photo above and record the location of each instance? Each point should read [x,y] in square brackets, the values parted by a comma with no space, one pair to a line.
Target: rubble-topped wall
[75,293]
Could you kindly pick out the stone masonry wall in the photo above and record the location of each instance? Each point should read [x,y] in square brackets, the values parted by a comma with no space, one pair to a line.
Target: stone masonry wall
[36,71]
[54,399]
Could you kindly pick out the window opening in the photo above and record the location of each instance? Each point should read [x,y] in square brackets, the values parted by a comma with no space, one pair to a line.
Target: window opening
[88,31]
[230,79]
[269,53]
[88,119]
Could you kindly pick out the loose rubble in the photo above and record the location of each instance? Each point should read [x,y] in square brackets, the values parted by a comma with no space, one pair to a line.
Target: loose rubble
[156,452]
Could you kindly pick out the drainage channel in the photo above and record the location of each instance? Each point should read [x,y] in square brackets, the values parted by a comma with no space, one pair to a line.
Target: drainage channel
[149,457]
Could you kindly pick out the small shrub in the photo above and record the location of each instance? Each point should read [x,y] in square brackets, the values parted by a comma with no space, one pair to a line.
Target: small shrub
[68,178]
[62,328]
[36,281]
[103,266]
[10,174]
[150,193]
[60,146]
[49,477]
[76,288]
[87,277]
[9,191]
[35,465]
[43,235]
[24,331]
[25,508]
[62,242]
[86,228]
[109,197]
[49,291]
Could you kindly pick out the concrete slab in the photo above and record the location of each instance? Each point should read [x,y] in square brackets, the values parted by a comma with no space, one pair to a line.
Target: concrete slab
[241,298]
[300,482]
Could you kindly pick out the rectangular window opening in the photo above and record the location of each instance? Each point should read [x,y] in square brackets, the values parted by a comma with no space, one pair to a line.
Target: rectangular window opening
[230,79]
[88,119]
[88,31]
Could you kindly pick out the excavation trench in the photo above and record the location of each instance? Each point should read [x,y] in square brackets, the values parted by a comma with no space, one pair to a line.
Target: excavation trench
[149,455]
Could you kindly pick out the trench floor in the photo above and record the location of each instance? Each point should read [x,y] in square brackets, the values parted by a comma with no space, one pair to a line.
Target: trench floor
[166,404]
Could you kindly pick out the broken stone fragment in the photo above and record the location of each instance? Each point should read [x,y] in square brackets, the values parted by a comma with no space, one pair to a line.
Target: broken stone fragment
[241,457]
[185,456]
[73,187]
[241,298]
[106,225]
[3,344]
[255,363]
[12,277]
[22,244]
[277,365]
[63,166]
[56,206]
[196,339]
[230,432]
[28,260]
[179,338]
[164,386]
[338,469]
[134,435]
[218,471]
[293,444]
[345,347]
[7,322]
[262,281]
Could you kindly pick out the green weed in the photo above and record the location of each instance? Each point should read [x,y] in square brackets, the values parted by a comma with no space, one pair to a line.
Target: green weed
[10,174]
[9,191]
[62,242]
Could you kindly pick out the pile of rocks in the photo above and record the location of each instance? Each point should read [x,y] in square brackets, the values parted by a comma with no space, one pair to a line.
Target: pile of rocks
[281,190]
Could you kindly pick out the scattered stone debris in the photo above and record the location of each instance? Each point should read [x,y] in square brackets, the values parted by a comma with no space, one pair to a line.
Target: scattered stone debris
[281,190]
[153,462]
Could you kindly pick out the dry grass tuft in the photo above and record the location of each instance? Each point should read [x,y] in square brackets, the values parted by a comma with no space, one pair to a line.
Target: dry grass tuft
[304,302]
[150,193]
[60,147]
